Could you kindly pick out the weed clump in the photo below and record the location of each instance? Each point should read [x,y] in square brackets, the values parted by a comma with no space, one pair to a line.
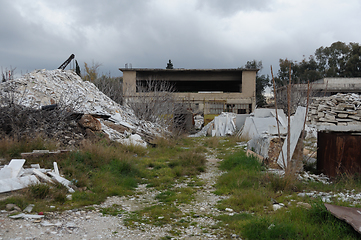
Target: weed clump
[39,191]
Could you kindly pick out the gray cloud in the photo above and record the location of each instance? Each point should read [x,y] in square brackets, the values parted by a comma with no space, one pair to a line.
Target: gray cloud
[230,7]
[194,34]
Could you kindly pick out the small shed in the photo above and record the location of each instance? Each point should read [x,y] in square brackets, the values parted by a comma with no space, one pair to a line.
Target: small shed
[339,150]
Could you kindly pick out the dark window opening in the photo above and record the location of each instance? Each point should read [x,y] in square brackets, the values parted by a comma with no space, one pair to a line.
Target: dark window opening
[198,86]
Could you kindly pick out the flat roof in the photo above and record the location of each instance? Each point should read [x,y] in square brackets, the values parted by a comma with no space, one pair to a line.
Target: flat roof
[186,70]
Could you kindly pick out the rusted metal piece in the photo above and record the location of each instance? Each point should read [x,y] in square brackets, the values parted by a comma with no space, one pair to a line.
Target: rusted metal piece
[338,153]
[64,64]
[350,215]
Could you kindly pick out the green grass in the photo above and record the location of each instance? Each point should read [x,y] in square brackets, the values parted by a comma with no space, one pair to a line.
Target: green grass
[105,169]
[12,148]
[252,191]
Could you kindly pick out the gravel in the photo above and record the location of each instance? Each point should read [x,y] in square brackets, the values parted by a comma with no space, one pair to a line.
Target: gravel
[92,224]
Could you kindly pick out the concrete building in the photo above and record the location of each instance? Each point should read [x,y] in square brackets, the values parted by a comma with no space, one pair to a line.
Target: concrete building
[326,87]
[210,91]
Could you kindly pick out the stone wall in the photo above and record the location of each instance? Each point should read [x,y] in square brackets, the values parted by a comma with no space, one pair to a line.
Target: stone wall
[339,109]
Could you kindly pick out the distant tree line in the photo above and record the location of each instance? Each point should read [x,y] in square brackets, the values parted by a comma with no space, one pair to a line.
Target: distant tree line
[338,60]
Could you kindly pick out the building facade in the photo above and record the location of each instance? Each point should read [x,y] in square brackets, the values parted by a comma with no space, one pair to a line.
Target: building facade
[210,91]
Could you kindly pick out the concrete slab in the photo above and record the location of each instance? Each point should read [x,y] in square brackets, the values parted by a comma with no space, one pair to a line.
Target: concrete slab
[350,215]
[56,169]
[62,180]
[13,169]
[23,215]
[255,127]
[240,120]
[12,184]
[296,129]
[42,176]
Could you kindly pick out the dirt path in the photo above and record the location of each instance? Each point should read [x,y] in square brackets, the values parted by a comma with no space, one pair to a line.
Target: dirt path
[90,223]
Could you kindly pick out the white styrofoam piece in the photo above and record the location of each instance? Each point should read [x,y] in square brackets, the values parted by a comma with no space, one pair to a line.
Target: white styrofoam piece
[12,184]
[296,129]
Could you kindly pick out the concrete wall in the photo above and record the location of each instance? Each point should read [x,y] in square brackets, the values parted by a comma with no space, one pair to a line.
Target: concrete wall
[129,83]
[244,97]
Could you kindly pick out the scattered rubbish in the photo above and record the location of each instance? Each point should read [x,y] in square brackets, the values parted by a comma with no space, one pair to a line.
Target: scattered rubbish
[305,176]
[49,224]
[11,206]
[222,125]
[198,121]
[29,208]
[23,215]
[71,225]
[14,176]
[277,206]
[229,209]
[350,215]
[39,153]
[271,226]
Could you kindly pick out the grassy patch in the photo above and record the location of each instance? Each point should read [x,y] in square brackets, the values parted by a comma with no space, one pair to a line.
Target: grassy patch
[179,195]
[252,190]
[157,215]
[12,148]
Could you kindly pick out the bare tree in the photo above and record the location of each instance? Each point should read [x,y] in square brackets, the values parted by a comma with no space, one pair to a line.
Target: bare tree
[19,120]
[110,86]
[7,74]
[155,101]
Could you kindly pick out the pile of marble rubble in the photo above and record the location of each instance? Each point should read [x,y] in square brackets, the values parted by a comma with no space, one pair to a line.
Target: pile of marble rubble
[65,87]
[14,177]
[340,109]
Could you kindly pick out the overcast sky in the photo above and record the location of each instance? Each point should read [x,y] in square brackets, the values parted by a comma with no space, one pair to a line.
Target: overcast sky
[192,33]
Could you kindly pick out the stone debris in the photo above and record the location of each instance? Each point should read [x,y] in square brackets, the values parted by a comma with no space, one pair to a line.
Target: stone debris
[64,87]
[222,125]
[340,109]
[349,196]
[14,177]
[198,121]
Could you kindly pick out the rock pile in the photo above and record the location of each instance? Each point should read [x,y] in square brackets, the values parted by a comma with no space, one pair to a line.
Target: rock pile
[340,109]
[43,89]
